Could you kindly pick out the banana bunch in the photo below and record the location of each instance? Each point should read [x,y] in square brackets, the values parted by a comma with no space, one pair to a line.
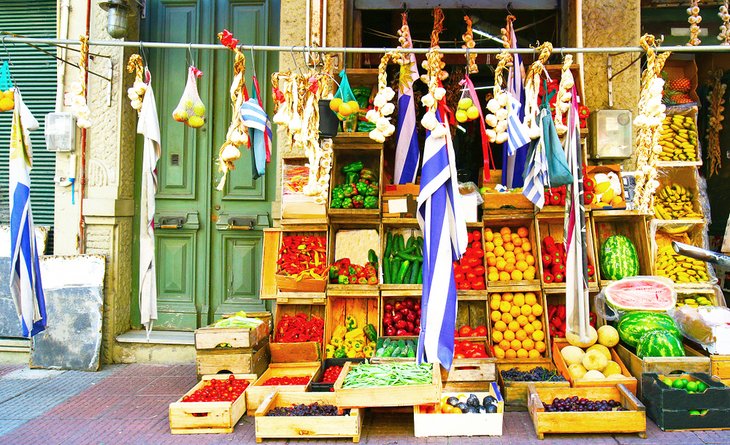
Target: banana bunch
[679,268]
[678,139]
[674,201]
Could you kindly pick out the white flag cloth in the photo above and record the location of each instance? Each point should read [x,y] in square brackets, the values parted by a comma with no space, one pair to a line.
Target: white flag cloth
[26,287]
[149,127]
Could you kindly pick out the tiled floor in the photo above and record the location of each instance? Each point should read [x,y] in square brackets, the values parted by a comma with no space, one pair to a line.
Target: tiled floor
[127,404]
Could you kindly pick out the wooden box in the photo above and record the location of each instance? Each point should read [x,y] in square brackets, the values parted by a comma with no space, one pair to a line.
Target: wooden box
[553,225]
[319,385]
[429,424]
[409,229]
[369,232]
[284,352]
[719,363]
[670,407]
[683,66]
[514,392]
[211,337]
[397,197]
[295,205]
[308,427]
[503,342]
[504,202]
[233,360]
[394,301]
[472,313]
[258,391]
[661,365]
[348,148]
[363,309]
[385,396]
[687,177]
[633,420]
[495,224]
[628,380]
[592,170]
[470,374]
[208,417]
[622,222]
[662,242]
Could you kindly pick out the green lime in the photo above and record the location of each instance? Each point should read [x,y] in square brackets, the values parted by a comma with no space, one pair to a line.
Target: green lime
[701,386]
[703,412]
[694,412]
[691,387]
[667,381]
[679,383]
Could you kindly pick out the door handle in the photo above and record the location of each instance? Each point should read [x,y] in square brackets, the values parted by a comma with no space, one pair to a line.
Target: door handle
[171,222]
[241,223]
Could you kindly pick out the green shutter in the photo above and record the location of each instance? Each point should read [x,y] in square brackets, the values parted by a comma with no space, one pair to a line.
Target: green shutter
[35,73]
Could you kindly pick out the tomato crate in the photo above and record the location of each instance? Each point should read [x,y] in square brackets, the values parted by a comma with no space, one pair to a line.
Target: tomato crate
[553,226]
[319,385]
[471,319]
[234,360]
[515,392]
[676,409]
[296,351]
[400,317]
[662,365]
[387,396]
[347,323]
[258,391]
[470,373]
[346,425]
[512,330]
[371,157]
[208,417]
[632,420]
[429,421]
[605,223]
[510,253]
[629,381]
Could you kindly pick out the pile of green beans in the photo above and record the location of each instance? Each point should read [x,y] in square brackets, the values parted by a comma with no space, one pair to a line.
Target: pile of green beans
[390,374]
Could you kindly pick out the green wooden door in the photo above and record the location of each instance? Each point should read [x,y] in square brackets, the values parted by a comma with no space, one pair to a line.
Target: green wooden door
[209,243]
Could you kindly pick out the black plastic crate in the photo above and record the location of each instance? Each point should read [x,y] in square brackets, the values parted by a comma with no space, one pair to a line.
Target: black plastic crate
[716,396]
[327,387]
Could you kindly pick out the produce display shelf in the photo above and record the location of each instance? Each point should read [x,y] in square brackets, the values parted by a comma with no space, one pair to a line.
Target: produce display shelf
[470,374]
[632,420]
[210,337]
[304,427]
[208,417]
[234,360]
[471,295]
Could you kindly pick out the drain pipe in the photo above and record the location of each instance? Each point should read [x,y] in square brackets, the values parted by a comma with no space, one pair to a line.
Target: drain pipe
[82,182]
[62,26]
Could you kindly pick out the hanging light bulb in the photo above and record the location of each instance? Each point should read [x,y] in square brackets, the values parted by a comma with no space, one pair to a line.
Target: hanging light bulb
[118,12]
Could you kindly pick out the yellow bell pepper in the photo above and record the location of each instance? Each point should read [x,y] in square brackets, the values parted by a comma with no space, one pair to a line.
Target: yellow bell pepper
[336,342]
[368,351]
[357,345]
[355,333]
[340,332]
[329,351]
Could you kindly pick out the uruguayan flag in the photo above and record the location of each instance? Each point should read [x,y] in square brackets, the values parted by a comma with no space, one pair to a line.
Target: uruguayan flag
[255,118]
[407,152]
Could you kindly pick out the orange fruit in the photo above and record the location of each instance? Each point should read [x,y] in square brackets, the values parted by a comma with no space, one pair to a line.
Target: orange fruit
[500,326]
[498,241]
[509,247]
[505,306]
[492,269]
[537,325]
[508,336]
[520,335]
[529,328]
[492,261]
[488,235]
[489,255]
[501,264]
[519,299]
[507,317]
[538,335]
[533,354]
[497,337]
[517,242]
[504,344]
[530,298]
[499,352]
[510,260]
[518,250]
[530,260]
[496,296]
[531,318]
[528,344]
[489,246]
[513,326]
[515,344]
[494,305]
[508,296]
[528,274]
[526,246]
[521,265]
[523,232]
[493,276]
[504,276]
[514,311]
[495,316]
[540,346]
[536,309]
[505,231]
[510,354]
[499,251]
[516,275]
[506,239]
[522,321]
[509,268]
[335,104]
[526,310]
[519,256]
[522,353]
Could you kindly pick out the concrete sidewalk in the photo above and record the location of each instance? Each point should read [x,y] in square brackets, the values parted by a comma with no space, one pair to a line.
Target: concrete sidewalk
[127,404]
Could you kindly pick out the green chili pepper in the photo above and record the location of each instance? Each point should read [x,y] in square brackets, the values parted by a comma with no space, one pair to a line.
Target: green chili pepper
[402,272]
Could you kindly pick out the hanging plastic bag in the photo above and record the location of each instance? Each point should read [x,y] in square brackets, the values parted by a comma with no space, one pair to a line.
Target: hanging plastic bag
[7,98]
[466,110]
[557,164]
[344,103]
[191,110]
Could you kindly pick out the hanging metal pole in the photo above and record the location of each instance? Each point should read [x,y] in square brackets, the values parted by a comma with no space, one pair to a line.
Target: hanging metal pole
[300,48]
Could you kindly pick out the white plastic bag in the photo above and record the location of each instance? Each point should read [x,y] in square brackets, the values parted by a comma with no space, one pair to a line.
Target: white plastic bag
[191,110]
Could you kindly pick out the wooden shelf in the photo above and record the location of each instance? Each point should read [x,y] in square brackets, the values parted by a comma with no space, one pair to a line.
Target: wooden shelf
[675,164]
[471,295]
[598,213]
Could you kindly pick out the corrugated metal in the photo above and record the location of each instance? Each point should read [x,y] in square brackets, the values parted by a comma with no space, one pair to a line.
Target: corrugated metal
[35,73]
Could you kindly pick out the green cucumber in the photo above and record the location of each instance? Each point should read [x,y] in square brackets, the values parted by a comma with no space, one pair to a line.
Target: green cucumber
[386,270]
[388,245]
[402,272]
[394,267]
[414,272]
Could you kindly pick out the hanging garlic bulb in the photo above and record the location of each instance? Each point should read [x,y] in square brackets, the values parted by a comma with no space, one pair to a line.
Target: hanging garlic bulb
[724,14]
[497,106]
[694,23]
[564,96]
[382,108]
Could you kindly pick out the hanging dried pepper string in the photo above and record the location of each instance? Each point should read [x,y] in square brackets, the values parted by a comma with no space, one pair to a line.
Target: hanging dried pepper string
[717,108]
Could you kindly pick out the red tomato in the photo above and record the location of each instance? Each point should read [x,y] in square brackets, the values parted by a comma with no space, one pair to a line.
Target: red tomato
[465,331]
[459,356]
[477,235]
[474,334]
[481,330]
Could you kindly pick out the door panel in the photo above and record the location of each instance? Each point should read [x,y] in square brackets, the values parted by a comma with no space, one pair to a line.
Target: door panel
[175,278]
[237,286]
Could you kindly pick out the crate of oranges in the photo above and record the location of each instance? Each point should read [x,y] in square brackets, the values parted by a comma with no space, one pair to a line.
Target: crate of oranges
[509,253]
[518,328]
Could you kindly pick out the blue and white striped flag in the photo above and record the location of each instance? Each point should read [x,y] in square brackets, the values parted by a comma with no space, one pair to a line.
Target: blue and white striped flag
[445,239]
[536,177]
[517,136]
[513,155]
[25,274]
[407,152]
[255,118]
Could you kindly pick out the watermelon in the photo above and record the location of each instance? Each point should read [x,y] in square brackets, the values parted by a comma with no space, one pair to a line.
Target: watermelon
[618,258]
[635,324]
[660,343]
[641,294]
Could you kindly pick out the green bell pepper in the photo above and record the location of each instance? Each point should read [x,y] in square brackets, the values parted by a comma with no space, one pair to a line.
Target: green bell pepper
[349,190]
[358,201]
[336,203]
[368,174]
[343,279]
[340,352]
[362,188]
[334,272]
[347,203]
[352,171]
[372,189]
[337,193]
[370,202]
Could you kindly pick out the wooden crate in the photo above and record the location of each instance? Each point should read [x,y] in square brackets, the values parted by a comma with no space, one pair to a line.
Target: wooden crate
[661,365]
[694,236]
[543,321]
[670,407]
[719,364]
[257,392]
[394,300]
[427,423]
[633,420]
[495,223]
[470,374]
[386,396]
[359,256]
[472,313]
[592,170]
[629,381]
[364,309]
[352,147]
[684,176]
[622,222]
[319,385]
[233,360]
[308,427]
[553,225]
[295,205]
[211,337]
[515,393]
[400,197]
[408,230]
[683,66]
[208,417]
[504,202]
[282,352]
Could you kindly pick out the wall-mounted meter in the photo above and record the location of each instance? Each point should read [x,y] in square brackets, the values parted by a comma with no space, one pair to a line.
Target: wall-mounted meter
[60,132]
[611,136]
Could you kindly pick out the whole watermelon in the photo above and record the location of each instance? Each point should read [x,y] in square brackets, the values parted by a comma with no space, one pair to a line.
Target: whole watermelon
[634,325]
[660,343]
[618,258]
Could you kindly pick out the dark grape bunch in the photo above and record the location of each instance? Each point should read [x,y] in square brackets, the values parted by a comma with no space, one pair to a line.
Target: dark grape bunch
[314,409]
[538,374]
[576,403]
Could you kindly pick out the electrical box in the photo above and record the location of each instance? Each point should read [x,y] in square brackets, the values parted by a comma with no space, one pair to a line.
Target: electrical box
[60,132]
[611,136]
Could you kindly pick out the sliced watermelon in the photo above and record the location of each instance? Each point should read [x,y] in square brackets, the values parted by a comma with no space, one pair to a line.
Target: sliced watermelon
[641,294]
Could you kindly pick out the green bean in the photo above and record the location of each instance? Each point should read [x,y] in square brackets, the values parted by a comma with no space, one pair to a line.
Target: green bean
[391,374]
